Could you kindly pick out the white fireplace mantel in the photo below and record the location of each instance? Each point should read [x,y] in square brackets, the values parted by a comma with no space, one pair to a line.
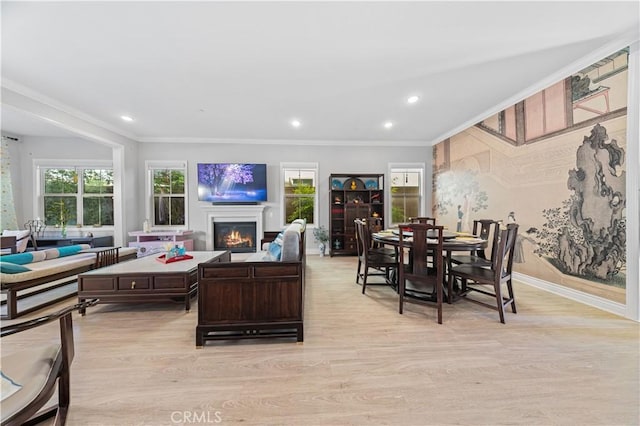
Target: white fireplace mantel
[233,213]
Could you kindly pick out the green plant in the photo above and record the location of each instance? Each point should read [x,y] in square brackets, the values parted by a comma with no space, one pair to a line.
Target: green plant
[300,203]
[321,234]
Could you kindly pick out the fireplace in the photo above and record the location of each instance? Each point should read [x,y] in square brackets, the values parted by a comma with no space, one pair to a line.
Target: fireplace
[237,237]
[233,213]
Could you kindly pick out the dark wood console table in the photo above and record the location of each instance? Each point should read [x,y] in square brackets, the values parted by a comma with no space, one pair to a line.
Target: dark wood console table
[146,280]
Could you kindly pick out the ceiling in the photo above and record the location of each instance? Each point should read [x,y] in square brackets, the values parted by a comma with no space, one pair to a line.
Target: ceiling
[225,71]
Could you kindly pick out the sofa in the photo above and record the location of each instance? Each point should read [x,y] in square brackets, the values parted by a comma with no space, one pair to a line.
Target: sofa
[260,297]
[30,273]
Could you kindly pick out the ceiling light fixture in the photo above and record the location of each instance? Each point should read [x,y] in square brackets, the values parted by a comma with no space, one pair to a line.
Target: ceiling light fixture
[388,125]
[126,118]
[296,123]
[413,99]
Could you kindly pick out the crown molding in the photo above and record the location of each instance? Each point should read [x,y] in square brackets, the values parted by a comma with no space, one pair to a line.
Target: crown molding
[298,142]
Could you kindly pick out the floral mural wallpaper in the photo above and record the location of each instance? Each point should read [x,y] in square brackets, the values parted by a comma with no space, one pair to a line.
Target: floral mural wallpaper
[555,164]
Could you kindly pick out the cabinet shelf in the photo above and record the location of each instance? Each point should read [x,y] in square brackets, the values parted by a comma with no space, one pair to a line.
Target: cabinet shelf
[353,196]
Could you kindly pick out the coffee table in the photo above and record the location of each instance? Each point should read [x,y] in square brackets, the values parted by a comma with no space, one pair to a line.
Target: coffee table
[146,280]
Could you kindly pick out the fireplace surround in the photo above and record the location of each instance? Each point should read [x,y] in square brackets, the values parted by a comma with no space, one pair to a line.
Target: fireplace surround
[233,213]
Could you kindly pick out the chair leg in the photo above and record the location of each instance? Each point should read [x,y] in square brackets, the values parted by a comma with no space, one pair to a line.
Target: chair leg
[358,273]
[511,297]
[364,278]
[450,289]
[64,397]
[401,295]
[439,300]
[499,301]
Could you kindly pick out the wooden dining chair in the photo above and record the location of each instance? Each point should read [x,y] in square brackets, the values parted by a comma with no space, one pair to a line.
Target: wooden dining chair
[488,230]
[34,374]
[476,278]
[369,259]
[421,275]
[427,220]
[375,247]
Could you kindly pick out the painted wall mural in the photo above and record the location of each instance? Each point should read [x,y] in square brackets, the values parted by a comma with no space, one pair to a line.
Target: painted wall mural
[592,241]
[555,164]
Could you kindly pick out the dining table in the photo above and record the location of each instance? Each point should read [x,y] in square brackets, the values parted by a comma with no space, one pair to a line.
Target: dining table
[452,242]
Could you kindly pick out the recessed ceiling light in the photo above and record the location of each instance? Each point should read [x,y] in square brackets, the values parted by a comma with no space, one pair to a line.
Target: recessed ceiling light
[296,123]
[126,118]
[413,99]
[388,125]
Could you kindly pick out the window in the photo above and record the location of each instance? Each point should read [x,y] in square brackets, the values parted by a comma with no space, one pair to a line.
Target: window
[405,193]
[300,194]
[167,183]
[77,195]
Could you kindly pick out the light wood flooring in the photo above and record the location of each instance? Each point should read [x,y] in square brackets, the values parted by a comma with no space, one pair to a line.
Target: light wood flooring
[556,362]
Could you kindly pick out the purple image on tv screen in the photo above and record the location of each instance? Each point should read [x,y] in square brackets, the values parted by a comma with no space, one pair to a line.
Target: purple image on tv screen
[232,182]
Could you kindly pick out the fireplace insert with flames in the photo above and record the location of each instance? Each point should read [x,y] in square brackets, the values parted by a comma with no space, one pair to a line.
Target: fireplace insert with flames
[237,237]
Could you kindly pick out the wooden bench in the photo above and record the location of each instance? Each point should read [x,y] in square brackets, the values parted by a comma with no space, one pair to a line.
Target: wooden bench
[36,288]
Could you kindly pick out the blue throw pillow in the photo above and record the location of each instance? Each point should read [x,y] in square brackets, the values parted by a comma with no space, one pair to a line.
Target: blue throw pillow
[275,250]
[69,250]
[18,259]
[12,268]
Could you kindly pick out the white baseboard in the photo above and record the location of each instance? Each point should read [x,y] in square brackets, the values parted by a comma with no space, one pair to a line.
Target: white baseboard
[579,296]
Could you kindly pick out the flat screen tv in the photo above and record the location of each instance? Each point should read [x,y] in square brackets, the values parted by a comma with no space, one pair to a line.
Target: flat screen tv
[232,182]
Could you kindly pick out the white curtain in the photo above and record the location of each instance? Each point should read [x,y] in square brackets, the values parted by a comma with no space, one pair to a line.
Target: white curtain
[8,219]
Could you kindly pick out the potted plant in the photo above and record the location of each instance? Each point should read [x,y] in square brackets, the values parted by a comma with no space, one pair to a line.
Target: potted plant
[322,238]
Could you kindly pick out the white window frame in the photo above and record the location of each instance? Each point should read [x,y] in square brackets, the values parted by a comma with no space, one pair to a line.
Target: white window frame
[402,168]
[38,170]
[298,166]
[151,165]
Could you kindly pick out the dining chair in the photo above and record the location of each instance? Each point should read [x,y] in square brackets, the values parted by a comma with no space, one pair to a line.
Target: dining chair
[421,275]
[377,248]
[32,376]
[476,278]
[381,264]
[428,220]
[486,229]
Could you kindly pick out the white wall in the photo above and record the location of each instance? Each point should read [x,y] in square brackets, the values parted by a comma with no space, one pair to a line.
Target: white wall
[331,159]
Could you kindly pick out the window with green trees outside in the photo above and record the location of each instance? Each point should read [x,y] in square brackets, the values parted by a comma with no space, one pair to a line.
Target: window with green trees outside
[168,197]
[77,196]
[299,189]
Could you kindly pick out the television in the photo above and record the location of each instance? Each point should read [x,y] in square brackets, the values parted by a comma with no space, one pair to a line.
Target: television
[238,183]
